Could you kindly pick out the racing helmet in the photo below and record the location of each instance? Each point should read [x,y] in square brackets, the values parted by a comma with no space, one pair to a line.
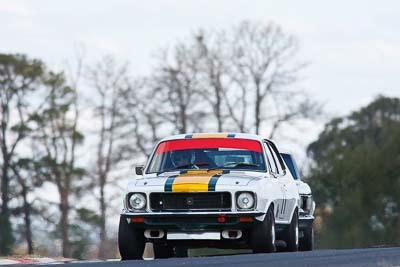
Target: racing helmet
[181,157]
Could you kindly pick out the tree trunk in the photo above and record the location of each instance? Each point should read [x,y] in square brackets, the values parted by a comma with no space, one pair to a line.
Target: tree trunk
[218,109]
[6,236]
[64,223]
[103,207]
[183,119]
[257,111]
[28,224]
[27,208]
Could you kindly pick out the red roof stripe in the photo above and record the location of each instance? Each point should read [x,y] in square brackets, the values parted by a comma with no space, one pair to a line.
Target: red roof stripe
[183,144]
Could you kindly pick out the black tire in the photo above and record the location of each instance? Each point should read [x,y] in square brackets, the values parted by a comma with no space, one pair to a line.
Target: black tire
[307,241]
[163,251]
[181,252]
[291,236]
[262,237]
[130,241]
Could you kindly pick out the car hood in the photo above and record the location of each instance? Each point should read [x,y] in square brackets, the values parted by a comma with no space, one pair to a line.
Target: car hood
[198,177]
[304,188]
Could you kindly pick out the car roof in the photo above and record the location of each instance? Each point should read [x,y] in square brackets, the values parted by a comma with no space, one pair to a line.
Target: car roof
[214,135]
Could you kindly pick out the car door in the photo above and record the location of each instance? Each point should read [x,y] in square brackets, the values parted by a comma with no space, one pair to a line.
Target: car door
[280,201]
[288,183]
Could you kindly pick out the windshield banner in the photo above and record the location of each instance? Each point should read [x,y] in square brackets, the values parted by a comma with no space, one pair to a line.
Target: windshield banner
[234,143]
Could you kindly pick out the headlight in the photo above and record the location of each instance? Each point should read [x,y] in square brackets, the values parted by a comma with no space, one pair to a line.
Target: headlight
[306,203]
[137,201]
[245,200]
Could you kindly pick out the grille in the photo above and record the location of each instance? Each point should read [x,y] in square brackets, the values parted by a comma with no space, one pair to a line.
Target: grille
[216,201]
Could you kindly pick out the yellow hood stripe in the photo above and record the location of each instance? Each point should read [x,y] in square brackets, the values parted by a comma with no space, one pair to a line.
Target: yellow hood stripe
[193,181]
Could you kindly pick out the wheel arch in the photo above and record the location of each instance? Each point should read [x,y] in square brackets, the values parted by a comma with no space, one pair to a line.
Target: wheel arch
[295,209]
[268,204]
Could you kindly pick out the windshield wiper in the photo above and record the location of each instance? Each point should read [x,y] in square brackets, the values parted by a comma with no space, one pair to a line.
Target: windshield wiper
[184,166]
[192,164]
[237,164]
[161,172]
[178,168]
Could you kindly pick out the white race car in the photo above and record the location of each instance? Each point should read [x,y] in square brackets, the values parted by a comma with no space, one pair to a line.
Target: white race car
[306,206]
[210,190]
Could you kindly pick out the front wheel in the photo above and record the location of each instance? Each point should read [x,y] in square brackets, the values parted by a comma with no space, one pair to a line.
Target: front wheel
[307,241]
[262,237]
[130,240]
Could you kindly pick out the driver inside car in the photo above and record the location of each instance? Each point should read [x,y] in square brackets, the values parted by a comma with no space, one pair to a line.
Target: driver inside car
[191,160]
[183,159]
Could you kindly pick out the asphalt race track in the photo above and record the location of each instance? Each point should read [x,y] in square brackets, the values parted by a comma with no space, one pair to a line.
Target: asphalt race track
[352,257]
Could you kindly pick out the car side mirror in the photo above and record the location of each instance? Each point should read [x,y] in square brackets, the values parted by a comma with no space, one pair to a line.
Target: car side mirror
[139,170]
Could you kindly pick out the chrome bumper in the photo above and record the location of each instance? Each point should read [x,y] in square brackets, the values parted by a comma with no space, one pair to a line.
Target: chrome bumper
[254,213]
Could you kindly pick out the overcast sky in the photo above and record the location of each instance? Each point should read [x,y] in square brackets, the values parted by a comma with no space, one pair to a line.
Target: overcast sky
[353,47]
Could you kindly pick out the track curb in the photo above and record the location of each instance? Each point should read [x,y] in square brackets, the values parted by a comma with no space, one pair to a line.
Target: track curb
[12,261]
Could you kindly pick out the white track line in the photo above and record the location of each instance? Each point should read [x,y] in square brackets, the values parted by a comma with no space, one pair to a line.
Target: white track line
[8,262]
[36,261]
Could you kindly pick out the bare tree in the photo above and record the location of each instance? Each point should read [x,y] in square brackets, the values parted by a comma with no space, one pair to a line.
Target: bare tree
[245,78]
[108,79]
[214,82]
[142,118]
[264,65]
[176,82]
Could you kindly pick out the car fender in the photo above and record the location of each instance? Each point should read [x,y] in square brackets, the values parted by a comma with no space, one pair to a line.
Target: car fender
[267,193]
[295,207]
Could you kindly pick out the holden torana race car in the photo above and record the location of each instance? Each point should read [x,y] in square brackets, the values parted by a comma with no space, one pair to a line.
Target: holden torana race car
[210,190]
[306,206]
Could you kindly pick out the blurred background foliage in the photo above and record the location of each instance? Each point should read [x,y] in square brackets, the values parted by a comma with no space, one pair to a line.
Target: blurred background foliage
[355,177]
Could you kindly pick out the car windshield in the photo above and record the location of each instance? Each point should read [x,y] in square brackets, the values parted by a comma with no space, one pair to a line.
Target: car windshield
[206,154]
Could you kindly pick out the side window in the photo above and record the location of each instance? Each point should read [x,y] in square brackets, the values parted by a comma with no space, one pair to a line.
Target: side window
[291,164]
[277,157]
[271,160]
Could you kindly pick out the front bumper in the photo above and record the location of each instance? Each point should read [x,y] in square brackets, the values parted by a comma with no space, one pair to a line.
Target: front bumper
[254,213]
[193,220]
[306,221]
